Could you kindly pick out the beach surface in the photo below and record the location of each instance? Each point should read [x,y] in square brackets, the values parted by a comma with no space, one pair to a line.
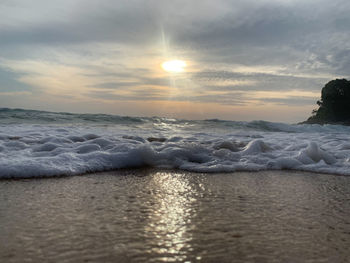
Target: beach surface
[155,215]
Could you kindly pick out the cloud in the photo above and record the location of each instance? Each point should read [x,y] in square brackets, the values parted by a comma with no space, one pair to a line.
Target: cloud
[111,50]
[8,82]
[259,81]
[295,101]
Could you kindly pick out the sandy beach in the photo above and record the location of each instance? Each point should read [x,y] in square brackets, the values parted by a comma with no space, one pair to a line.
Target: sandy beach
[152,215]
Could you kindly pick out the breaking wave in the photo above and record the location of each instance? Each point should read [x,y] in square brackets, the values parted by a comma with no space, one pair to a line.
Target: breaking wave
[37,144]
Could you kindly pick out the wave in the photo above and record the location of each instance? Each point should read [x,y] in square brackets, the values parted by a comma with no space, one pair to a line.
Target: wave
[21,116]
[11,116]
[53,148]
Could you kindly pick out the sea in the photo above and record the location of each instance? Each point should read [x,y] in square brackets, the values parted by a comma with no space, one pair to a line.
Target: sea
[45,144]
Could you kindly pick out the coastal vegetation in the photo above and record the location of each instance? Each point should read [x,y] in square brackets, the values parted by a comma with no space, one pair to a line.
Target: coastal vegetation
[334,105]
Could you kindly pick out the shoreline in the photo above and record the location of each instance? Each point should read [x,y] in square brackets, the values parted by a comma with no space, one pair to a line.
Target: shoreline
[143,215]
[142,169]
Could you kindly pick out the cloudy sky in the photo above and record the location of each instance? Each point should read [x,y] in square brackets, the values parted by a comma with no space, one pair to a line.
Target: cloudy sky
[245,59]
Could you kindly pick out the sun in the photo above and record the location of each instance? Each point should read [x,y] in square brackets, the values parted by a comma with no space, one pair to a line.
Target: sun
[174,66]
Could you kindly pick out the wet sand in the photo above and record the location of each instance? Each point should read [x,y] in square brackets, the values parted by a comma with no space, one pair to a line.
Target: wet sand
[153,215]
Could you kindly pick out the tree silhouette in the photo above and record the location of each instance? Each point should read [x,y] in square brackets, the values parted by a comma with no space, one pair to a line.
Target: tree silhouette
[334,106]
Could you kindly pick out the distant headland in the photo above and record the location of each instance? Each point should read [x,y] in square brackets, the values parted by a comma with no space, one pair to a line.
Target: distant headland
[334,105]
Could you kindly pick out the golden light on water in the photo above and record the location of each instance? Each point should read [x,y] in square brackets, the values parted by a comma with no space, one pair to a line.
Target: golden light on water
[174,66]
[171,215]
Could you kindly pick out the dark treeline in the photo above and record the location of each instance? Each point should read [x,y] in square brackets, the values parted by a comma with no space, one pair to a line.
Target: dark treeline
[334,105]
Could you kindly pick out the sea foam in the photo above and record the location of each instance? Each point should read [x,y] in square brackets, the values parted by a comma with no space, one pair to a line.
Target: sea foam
[76,146]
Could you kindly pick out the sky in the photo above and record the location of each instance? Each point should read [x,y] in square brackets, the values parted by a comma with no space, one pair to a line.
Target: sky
[245,60]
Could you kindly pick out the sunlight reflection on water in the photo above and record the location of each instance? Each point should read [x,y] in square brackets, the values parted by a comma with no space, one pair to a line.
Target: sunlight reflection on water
[170,221]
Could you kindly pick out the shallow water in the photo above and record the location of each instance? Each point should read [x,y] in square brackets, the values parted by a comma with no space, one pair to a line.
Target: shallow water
[172,216]
[35,144]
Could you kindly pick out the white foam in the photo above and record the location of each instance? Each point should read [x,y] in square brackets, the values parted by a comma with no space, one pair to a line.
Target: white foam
[313,154]
[29,150]
[256,147]
[46,147]
[87,148]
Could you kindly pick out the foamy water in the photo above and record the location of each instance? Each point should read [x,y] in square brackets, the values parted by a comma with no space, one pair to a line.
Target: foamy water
[34,144]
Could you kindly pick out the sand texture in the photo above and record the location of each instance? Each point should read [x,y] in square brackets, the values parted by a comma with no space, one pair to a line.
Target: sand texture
[153,215]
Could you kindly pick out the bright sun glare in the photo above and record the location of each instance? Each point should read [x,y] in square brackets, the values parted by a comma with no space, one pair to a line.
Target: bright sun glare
[174,66]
